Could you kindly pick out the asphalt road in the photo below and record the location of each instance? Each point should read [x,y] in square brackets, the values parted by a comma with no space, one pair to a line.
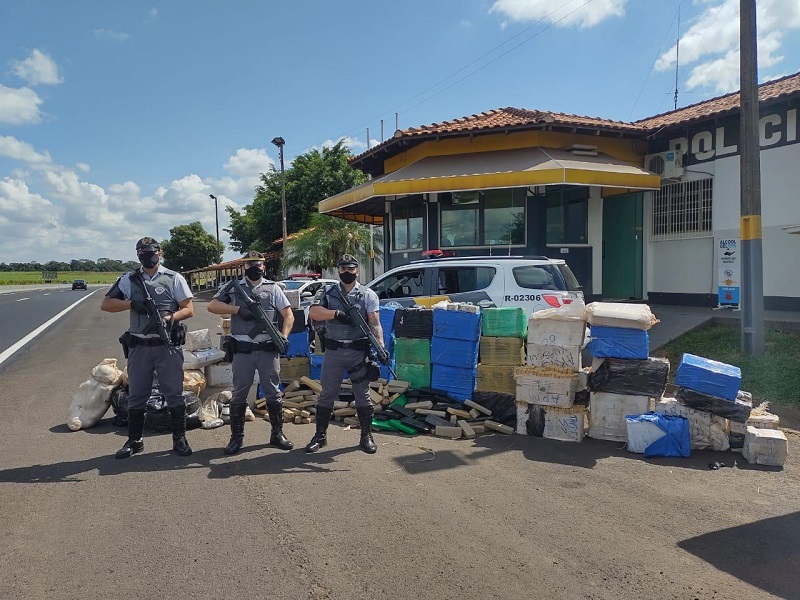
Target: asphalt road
[497,517]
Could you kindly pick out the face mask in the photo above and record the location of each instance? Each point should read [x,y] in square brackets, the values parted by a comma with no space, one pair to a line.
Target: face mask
[347,277]
[254,273]
[148,259]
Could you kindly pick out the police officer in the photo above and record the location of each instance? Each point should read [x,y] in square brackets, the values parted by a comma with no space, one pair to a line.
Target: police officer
[346,348]
[147,351]
[254,353]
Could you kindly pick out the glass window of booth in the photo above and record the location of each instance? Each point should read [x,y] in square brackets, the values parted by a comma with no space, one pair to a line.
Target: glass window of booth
[407,224]
[568,216]
[488,218]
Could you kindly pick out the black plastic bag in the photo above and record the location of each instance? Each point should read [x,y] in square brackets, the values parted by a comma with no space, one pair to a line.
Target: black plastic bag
[503,406]
[413,323]
[119,403]
[157,417]
[631,377]
[738,411]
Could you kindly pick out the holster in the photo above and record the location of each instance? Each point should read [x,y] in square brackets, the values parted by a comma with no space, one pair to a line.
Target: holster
[177,334]
[124,340]
[229,346]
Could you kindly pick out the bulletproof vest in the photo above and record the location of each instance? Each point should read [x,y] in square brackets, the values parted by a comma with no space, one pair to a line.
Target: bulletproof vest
[160,288]
[339,331]
[263,292]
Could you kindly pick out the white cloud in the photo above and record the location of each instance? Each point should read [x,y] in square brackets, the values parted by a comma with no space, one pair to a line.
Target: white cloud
[711,43]
[356,145]
[11,147]
[18,106]
[578,13]
[153,13]
[248,162]
[114,35]
[83,167]
[37,69]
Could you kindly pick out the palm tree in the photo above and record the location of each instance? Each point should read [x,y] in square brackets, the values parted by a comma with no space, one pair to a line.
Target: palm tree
[326,239]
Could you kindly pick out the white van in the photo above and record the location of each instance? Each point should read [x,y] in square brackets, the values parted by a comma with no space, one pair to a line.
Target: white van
[533,282]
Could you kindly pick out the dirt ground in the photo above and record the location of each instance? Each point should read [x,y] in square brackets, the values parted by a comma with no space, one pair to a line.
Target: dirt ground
[496,517]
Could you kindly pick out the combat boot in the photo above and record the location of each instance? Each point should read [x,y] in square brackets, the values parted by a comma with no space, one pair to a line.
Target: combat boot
[320,439]
[237,412]
[135,444]
[277,438]
[179,442]
[367,444]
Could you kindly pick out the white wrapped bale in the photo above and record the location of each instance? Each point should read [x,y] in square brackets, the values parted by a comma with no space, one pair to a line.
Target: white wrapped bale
[607,414]
[197,359]
[549,386]
[706,431]
[765,447]
[197,340]
[551,422]
[107,372]
[89,404]
[619,314]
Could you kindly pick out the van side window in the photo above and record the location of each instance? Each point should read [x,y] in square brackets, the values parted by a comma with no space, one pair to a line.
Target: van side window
[543,277]
[453,280]
[407,284]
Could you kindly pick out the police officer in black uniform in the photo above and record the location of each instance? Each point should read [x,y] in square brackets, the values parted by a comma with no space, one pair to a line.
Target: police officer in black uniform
[346,348]
[147,353]
[254,353]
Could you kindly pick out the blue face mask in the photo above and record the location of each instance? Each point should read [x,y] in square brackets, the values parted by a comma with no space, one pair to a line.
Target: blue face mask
[148,259]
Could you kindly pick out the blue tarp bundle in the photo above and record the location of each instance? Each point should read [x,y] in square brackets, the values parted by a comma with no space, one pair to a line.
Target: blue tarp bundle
[619,342]
[454,353]
[709,376]
[457,325]
[675,442]
[386,315]
[316,366]
[458,383]
[298,344]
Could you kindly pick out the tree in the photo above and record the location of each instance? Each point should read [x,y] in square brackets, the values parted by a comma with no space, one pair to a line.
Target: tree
[321,245]
[189,247]
[313,176]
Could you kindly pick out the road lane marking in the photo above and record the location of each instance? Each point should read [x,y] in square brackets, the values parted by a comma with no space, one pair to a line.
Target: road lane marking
[6,354]
[22,299]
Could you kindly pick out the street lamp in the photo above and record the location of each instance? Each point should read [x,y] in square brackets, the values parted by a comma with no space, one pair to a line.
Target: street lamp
[216,216]
[279,142]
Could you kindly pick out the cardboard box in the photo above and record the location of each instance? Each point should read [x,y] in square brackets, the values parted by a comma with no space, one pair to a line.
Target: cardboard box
[608,413]
[554,332]
[545,386]
[551,422]
[219,375]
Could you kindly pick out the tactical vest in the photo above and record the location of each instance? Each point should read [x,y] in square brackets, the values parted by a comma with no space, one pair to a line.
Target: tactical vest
[161,291]
[263,292]
[339,331]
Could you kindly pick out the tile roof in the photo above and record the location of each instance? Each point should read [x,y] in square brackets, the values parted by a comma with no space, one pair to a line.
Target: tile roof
[728,103]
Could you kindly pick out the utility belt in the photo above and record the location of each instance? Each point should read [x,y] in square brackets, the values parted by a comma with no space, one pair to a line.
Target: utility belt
[360,344]
[233,346]
[128,340]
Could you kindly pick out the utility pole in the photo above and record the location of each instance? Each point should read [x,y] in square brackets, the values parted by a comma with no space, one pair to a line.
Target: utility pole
[216,216]
[752,300]
[280,143]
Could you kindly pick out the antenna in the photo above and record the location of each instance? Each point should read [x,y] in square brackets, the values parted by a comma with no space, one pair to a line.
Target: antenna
[677,56]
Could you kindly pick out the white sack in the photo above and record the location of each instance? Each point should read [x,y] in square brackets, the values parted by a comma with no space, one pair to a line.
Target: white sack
[107,372]
[89,405]
[614,314]
[197,359]
[197,340]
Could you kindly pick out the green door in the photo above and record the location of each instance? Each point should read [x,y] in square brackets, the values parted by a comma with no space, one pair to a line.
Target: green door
[622,247]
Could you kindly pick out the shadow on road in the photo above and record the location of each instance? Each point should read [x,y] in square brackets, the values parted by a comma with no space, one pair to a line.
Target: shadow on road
[764,554]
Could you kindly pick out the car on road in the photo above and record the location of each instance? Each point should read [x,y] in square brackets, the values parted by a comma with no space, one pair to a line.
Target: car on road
[79,284]
[307,287]
[531,282]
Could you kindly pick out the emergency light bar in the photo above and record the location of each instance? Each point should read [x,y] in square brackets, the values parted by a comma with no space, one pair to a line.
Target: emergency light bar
[437,253]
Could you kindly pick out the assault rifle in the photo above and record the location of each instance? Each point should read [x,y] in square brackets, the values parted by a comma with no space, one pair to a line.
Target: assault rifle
[263,325]
[156,322]
[358,320]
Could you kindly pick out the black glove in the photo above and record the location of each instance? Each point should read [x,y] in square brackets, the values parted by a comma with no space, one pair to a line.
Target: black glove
[139,307]
[343,317]
[246,314]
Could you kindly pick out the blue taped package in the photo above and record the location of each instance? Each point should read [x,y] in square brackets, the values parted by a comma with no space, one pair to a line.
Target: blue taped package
[458,383]
[619,342]
[709,376]
[457,325]
[386,315]
[315,371]
[454,353]
[675,442]
[298,344]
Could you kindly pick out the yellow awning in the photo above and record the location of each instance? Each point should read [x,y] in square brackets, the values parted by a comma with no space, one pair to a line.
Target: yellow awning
[488,170]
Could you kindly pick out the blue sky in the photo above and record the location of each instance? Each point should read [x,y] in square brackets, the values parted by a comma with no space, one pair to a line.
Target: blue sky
[118,119]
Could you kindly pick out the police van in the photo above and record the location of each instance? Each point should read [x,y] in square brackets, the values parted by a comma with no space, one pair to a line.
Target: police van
[532,282]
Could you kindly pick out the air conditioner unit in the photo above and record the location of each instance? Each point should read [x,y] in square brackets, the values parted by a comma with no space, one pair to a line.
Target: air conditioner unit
[667,164]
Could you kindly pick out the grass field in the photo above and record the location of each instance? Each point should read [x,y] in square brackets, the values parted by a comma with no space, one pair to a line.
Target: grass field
[773,377]
[35,277]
